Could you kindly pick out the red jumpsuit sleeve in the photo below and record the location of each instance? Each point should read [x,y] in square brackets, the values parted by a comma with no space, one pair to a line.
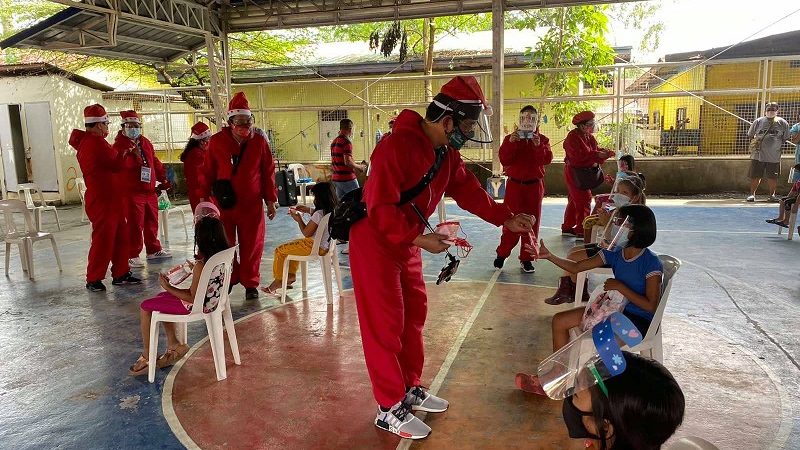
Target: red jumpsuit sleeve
[193,170]
[383,194]
[209,172]
[467,191]
[579,152]
[543,154]
[268,190]
[509,152]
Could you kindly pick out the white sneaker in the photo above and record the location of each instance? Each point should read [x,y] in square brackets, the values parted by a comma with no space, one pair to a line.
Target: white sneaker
[400,421]
[161,254]
[751,198]
[136,262]
[425,401]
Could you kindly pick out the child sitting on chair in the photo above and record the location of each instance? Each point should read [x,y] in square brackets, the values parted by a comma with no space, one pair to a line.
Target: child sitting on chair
[786,204]
[324,202]
[630,185]
[637,276]
[209,239]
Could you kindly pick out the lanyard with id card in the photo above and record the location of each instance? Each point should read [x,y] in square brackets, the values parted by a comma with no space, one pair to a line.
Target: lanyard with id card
[146,174]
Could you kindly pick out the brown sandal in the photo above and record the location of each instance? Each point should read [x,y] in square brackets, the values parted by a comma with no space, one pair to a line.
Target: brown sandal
[140,367]
[171,356]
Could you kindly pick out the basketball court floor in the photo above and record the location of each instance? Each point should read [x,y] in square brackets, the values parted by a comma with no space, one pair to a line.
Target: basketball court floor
[730,339]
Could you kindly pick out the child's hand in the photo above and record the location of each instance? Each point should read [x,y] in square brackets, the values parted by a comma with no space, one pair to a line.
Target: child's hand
[297,216]
[544,253]
[613,284]
[163,281]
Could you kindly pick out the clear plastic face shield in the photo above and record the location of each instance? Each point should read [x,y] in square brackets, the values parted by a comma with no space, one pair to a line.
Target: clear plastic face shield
[617,233]
[624,190]
[470,122]
[528,124]
[590,359]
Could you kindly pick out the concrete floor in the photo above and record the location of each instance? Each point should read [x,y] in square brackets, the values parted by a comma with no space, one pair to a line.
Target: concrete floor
[730,340]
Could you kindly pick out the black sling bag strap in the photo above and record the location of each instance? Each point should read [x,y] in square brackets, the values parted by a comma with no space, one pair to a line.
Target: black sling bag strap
[407,196]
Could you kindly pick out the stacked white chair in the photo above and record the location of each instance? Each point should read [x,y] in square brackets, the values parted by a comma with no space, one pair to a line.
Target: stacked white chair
[24,238]
[301,172]
[26,191]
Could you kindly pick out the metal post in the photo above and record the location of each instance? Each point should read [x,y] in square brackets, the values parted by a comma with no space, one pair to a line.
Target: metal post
[764,84]
[618,107]
[498,81]
[217,68]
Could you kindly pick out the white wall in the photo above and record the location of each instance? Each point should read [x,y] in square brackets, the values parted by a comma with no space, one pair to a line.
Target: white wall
[67,100]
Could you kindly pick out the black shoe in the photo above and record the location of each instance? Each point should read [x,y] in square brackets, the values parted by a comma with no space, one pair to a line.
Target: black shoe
[527,267]
[498,262]
[96,286]
[251,294]
[126,279]
[772,221]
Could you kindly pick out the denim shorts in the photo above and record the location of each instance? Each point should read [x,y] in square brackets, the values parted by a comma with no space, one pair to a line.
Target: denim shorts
[343,187]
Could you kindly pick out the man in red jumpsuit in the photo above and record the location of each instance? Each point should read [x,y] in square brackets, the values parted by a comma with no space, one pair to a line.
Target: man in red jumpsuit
[523,158]
[101,165]
[582,152]
[385,255]
[193,158]
[240,175]
[142,170]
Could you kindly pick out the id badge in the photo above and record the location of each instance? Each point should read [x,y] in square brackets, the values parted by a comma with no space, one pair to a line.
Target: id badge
[146,172]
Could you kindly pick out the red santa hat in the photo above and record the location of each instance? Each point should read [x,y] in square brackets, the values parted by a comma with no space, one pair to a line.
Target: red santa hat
[582,116]
[94,114]
[130,116]
[239,106]
[466,90]
[200,131]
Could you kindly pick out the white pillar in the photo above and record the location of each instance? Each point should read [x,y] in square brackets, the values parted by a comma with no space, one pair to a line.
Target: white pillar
[498,81]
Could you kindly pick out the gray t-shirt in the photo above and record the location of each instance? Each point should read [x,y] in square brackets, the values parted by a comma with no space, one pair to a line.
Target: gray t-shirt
[772,139]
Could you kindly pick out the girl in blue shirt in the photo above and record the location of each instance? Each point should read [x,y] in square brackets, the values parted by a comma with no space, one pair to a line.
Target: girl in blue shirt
[637,276]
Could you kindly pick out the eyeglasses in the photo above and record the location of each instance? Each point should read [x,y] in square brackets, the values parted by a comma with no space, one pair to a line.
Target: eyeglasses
[240,122]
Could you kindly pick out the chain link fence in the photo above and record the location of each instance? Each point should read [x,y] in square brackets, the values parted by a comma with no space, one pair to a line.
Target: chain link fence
[676,109]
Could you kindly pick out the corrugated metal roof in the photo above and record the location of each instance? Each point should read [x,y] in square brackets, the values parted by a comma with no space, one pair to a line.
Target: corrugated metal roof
[38,69]
[135,41]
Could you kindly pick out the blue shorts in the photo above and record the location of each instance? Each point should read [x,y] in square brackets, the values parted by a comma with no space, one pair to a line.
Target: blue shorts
[343,187]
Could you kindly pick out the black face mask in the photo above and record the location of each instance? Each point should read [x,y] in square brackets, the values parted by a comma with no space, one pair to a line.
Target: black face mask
[573,418]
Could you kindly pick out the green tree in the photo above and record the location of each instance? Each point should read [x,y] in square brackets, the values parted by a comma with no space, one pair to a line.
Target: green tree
[572,36]
[643,17]
[416,37]
[17,15]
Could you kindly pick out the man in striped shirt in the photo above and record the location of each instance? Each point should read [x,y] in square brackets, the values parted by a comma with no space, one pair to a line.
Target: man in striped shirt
[344,168]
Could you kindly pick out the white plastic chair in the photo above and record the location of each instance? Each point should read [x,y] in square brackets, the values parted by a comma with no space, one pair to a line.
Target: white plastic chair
[792,223]
[80,184]
[24,239]
[300,172]
[692,443]
[25,191]
[163,222]
[331,258]
[215,320]
[651,346]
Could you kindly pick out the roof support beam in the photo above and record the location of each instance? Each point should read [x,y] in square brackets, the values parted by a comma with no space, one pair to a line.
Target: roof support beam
[128,39]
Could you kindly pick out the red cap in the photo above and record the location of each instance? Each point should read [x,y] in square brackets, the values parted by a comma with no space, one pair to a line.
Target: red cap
[200,131]
[130,116]
[239,105]
[582,116]
[94,113]
[466,89]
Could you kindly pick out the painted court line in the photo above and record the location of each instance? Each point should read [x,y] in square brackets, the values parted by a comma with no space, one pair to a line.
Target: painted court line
[405,444]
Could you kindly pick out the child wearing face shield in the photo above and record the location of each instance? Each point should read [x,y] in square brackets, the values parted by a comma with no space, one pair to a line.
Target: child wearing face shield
[638,409]
[637,276]
[142,170]
[627,190]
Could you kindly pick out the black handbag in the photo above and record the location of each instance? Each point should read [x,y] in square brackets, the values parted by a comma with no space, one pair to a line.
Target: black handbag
[351,208]
[588,177]
[223,189]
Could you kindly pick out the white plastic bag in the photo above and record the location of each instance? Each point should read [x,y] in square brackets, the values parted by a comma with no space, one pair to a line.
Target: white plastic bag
[601,304]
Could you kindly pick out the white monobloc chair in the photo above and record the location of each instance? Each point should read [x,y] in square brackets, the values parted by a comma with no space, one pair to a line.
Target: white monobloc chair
[583,277]
[80,185]
[215,320]
[301,172]
[26,191]
[692,443]
[651,346]
[331,258]
[24,238]
[163,221]
[792,223]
